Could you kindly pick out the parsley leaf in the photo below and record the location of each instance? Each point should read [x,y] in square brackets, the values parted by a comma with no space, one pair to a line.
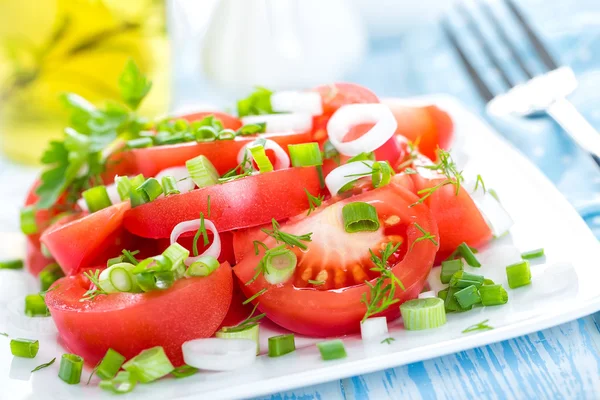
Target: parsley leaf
[134,85]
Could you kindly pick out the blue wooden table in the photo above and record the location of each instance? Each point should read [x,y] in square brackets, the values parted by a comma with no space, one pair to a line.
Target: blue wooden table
[561,362]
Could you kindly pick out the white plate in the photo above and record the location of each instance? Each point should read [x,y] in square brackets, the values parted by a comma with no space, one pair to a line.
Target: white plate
[565,287]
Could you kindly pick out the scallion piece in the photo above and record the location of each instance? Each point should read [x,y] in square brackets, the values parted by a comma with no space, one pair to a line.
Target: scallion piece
[11,264]
[118,278]
[184,371]
[332,349]
[252,129]
[96,198]
[462,279]
[226,134]
[150,189]
[442,294]
[205,134]
[279,265]
[419,314]
[449,268]
[250,332]
[124,382]
[260,157]
[176,254]
[124,186]
[465,251]
[111,364]
[149,365]
[35,306]
[27,217]
[140,143]
[281,345]
[537,253]
[71,366]
[25,348]
[202,172]
[305,155]
[50,274]
[360,217]
[518,274]
[493,295]
[382,173]
[169,185]
[450,302]
[137,198]
[204,266]
[468,297]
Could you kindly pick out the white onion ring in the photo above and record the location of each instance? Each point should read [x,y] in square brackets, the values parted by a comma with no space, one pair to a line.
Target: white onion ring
[373,328]
[337,178]
[298,102]
[182,176]
[192,226]
[113,195]
[216,354]
[353,114]
[494,214]
[34,326]
[283,160]
[290,122]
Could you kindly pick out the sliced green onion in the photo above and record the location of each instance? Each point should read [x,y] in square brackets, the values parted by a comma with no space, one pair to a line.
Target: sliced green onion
[205,134]
[382,173]
[462,279]
[203,266]
[528,255]
[27,217]
[466,253]
[330,152]
[202,172]
[111,364]
[124,382]
[184,371]
[146,281]
[176,254]
[25,348]
[150,189]
[169,185]
[250,332]
[332,349]
[362,157]
[43,247]
[252,129]
[35,306]
[11,264]
[149,365]
[419,314]
[118,278]
[279,265]
[226,134]
[449,268]
[518,274]
[71,366]
[468,297]
[123,186]
[281,345]
[50,274]
[137,198]
[450,302]
[442,294]
[305,155]
[115,260]
[260,157]
[360,217]
[493,295]
[140,143]
[96,198]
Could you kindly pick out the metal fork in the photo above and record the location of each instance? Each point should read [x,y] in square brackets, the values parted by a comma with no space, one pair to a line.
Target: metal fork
[546,92]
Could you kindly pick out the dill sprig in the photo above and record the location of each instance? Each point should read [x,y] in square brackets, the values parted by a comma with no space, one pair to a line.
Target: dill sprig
[247,323]
[388,340]
[426,236]
[481,326]
[447,167]
[478,182]
[94,277]
[313,202]
[288,238]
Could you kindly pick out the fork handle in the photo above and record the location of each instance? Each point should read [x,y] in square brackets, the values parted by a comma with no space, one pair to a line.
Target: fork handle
[580,130]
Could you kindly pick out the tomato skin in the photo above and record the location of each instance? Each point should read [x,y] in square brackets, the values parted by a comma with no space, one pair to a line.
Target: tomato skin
[35,260]
[237,310]
[245,202]
[324,313]
[129,323]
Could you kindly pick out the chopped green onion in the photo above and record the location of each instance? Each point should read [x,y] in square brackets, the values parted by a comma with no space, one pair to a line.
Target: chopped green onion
[204,266]
[202,172]
[252,129]
[332,349]
[281,345]
[111,364]
[462,279]
[528,255]
[169,185]
[250,332]
[442,294]
[123,187]
[176,254]
[419,314]
[257,103]
[149,365]
[488,282]
[35,306]
[449,268]
[71,366]
[493,295]
[279,265]
[226,134]
[27,217]
[140,143]
[11,264]
[362,157]
[150,189]
[305,155]
[360,217]
[330,152]
[25,348]
[382,173]
[124,382]
[450,302]
[184,371]
[468,297]
[260,157]
[50,274]
[118,278]
[205,134]
[96,198]
[137,198]
[466,253]
[518,274]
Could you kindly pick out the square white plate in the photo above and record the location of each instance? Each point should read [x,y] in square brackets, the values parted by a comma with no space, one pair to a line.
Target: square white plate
[565,287]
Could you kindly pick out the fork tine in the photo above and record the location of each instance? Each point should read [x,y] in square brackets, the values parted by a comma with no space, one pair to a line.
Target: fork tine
[480,85]
[483,42]
[487,9]
[533,38]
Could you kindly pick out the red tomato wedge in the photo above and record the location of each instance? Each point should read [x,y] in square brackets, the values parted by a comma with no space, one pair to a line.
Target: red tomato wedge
[458,218]
[342,262]
[237,310]
[129,323]
[245,202]
[229,121]
[35,260]
[76,244]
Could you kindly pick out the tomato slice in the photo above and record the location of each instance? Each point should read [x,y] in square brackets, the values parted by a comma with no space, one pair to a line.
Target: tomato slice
[237,310]
[342,261]
[35,260]
[229,121]
[129,323]
[246,202]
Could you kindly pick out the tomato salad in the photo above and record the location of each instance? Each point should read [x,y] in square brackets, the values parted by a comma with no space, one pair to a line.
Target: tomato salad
[322,210]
